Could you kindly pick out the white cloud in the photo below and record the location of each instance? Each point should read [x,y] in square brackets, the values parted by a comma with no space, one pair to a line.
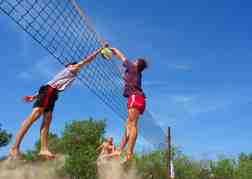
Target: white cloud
[44,69]
[174,108]
[24,75]
[182,67]
[183,98]
[156,84]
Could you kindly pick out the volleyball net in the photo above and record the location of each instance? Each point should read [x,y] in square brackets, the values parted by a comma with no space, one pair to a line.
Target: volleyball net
[61,27]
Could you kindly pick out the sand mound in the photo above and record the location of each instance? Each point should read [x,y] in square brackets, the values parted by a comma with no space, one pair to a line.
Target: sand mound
[113,169]
[12,169]
[107,169]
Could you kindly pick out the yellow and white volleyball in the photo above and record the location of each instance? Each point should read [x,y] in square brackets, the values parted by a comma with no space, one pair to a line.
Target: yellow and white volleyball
[106,53]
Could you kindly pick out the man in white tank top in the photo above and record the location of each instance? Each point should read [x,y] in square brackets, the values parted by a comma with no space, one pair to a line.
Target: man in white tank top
[44,105]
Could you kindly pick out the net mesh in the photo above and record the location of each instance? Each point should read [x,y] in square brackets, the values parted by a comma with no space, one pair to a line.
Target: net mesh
[61,28]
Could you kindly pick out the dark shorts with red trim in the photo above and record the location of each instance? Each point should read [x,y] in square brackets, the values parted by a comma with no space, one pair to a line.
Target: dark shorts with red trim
[137,102]
[46,98]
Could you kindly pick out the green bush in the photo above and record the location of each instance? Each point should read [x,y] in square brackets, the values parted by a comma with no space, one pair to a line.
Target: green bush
[5,137]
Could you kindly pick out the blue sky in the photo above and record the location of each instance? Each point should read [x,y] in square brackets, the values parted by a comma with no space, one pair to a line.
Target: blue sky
[198,81]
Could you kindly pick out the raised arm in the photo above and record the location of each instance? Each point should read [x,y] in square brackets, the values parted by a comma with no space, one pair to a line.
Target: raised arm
[86,60]
[119,55]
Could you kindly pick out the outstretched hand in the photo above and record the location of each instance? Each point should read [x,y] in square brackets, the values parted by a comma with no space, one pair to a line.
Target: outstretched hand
[28,99]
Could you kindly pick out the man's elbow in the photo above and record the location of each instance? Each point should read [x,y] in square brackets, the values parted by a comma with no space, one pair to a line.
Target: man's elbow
[114,50]
[74,70]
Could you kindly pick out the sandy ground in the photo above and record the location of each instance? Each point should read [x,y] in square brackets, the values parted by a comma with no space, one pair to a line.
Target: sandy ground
[113,169]
[107,169]
[10,169]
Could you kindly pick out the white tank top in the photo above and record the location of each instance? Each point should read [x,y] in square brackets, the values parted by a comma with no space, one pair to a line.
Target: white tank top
[62,80]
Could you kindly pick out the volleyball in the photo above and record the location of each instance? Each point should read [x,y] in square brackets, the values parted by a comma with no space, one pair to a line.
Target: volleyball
[106,53]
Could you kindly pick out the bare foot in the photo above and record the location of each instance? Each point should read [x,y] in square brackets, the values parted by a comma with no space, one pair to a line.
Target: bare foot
[127,158]
[46,154]
[15,154]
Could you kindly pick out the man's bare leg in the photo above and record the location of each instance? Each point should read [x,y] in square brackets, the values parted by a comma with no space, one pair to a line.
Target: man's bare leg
[133,131]
[130,134]
[125,137]
[44,130]
[15,149]
[123,143]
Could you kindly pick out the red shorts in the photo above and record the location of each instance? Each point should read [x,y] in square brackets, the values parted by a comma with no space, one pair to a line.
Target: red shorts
[138,102]
[46,98]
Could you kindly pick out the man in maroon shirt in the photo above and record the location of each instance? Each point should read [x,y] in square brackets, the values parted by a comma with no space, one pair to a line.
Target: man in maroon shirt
[136,100]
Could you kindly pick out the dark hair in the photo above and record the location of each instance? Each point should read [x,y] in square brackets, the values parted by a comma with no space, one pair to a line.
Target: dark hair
[71,63]
[142,64]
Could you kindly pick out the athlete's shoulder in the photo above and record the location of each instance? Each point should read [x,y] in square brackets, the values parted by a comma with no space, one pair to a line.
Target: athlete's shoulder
[127,63]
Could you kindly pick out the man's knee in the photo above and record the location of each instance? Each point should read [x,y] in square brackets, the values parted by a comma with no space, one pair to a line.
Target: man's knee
[47,117]
[131,124]
[133,114]
[132,120]
[37,111]
[47,114]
